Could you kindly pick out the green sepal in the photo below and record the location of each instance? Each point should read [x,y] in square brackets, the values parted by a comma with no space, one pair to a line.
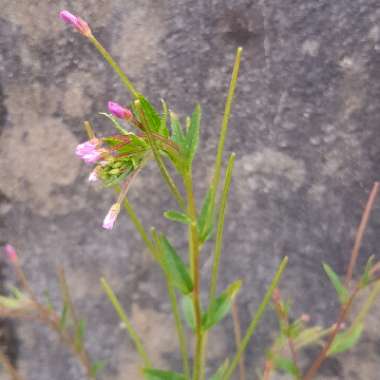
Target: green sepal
[177,216]
[346,340]
[158,374]
[342,292]
[175,267]
[220,306]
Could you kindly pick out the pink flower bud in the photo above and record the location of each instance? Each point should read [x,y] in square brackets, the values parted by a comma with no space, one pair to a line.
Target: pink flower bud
[93,177]
[117,110]
[111,216]
[88,151]
[80,25]
[11,253]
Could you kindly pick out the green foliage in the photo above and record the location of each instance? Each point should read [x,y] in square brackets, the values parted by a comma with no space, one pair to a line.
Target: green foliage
[206,219]
[163,131]
[346,340]
[177,216]
[342,292]
[220,306]
[218,375]
[366,277]
[150,115]
[80,332]
[188,311]
[192,135]
[175,267]
[96,367]
[286,365]
[158,374]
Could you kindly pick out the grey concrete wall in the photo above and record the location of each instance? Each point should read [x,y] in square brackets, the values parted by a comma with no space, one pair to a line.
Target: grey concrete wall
[304,127]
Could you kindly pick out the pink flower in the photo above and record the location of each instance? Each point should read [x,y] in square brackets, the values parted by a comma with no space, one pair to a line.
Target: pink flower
[88,151]
[80,25]
[111,216]
[117,110]
[11,253]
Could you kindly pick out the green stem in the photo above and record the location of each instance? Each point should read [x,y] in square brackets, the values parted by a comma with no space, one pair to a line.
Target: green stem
[195,268]
[127,83]
[161,165]
[224,127]
[220,228]
[253,325]
[123,317]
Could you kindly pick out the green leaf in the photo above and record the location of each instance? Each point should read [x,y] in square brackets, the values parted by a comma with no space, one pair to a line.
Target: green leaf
[96,367]
[177,133]
[366,277]
[342,292]
[164,117]
[158,374]
[218,375]
[346,340]
[151,116]
[177,216]
[206,219]
[192,136]
[63,317]
[286,365]
[80,332]
[10,302]
[175,267]
[220,306]
[188,311]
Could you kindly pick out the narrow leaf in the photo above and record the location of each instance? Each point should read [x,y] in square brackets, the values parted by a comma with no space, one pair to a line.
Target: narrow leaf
[188,311]
[150,114]
[366,277]
[346,340]
[287,365]
[342,292]
[177,133]
[220,306]
[218,375]
[163,131]
[80,333]
[175,267]
[63,317]
[158,374]
[177,216]
[96,367]
[206,219]
[192,136]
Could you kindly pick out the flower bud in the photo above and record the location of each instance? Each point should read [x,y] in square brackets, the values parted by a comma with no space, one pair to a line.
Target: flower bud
[117,110]
[11,253]
[80,25]
[111,216]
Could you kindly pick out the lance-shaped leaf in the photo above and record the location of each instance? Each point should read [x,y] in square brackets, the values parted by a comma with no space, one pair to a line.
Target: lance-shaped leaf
[163,131]
[218,375]
[206,219]
[342,292]
[177,135]
[151,116]
[177,216]
[158,374]
[175,267]
[220,306]
[367,277]
[346,340]
[192,135]
[188,311]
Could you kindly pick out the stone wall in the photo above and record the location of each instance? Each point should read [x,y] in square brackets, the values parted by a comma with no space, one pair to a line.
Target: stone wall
[304,127]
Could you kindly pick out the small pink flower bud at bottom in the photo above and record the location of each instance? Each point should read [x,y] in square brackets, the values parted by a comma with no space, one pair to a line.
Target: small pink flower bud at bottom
[117,110]
[93,177]
[80,25]
[111,216]
[11,253]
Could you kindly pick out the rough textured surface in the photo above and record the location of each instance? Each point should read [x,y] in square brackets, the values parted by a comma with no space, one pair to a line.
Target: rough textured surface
[304,127]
